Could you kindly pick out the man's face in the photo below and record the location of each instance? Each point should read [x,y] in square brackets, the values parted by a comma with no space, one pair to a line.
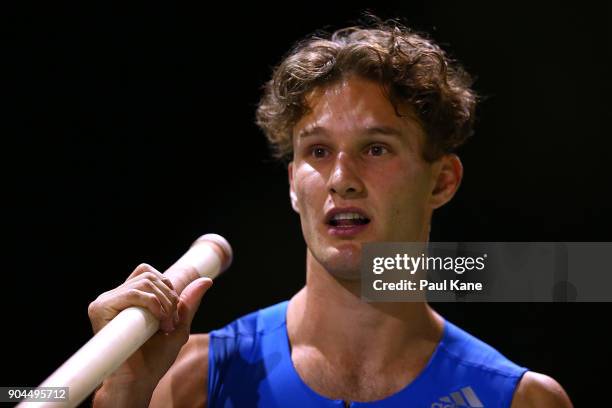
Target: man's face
[358,174]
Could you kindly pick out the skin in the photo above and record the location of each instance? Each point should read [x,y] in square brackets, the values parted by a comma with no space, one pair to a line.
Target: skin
[350,149]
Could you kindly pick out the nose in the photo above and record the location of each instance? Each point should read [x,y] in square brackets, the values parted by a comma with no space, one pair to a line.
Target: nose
[344,179]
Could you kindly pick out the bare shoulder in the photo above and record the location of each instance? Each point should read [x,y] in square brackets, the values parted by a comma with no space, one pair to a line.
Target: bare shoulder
[539,390]
[184,385]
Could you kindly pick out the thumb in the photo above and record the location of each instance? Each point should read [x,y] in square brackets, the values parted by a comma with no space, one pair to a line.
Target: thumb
[190,299]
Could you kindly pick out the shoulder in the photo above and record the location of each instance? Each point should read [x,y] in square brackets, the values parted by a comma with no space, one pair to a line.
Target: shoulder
[539,390]
[526,389]
[244,336]
[185,382]
[472,352]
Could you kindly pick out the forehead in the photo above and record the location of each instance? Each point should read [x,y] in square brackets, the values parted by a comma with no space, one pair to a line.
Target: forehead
[353,104]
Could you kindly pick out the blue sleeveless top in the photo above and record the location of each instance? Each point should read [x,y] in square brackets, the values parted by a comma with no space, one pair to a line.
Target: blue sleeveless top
[249,365]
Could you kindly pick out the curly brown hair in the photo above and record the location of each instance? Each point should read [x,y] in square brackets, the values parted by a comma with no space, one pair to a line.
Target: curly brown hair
[412,69]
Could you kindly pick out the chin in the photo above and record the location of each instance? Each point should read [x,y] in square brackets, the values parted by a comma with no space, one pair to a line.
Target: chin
[347,275]
[343,262]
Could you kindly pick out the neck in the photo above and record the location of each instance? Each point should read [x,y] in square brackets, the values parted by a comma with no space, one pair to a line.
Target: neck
[328,314]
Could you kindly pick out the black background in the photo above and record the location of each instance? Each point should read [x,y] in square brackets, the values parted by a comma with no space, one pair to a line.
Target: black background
[129,132]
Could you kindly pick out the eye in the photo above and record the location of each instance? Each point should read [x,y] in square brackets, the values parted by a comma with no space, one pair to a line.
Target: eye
[319,152]
[377,150]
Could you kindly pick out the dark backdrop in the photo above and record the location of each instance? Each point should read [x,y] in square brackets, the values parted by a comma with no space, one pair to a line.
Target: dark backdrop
[130,132]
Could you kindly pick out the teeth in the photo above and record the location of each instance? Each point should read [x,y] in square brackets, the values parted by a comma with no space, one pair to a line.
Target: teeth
[348,216]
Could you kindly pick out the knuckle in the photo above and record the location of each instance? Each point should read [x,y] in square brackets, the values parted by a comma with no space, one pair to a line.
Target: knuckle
[168,282]
[150,297]
[150,276]
[133,293]
[146,285]
[143,267]
[92,308]
[154,301]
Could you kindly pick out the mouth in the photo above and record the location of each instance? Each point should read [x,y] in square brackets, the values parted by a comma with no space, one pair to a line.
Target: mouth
[347,221]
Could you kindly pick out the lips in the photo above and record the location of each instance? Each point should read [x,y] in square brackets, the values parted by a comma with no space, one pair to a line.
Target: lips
[346,221]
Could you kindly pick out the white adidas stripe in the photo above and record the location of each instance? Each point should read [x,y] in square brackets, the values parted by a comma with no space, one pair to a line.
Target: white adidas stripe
[466,397]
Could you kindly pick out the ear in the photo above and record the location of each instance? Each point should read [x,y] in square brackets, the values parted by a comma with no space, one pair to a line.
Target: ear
[292,194]
[448,173]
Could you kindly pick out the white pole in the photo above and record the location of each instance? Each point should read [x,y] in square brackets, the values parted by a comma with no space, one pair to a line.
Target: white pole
[120,338]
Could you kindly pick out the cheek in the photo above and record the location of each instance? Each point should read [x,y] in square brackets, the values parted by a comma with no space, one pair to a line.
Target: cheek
[400,187]
[310,190]
[399,177]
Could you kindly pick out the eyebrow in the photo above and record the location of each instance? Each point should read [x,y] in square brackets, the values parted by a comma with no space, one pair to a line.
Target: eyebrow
[383,130]
[369,131]
[311,131]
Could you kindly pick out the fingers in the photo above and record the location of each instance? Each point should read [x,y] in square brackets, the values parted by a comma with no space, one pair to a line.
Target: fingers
[148,279]
[144,268]
[146,287]
[148,294]
[155,282]
[147,300]
[147,272]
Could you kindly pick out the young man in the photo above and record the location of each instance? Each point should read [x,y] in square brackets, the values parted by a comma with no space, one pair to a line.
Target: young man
[369,119]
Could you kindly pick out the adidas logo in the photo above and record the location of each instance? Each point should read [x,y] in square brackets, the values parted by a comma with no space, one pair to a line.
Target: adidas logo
[466,397]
